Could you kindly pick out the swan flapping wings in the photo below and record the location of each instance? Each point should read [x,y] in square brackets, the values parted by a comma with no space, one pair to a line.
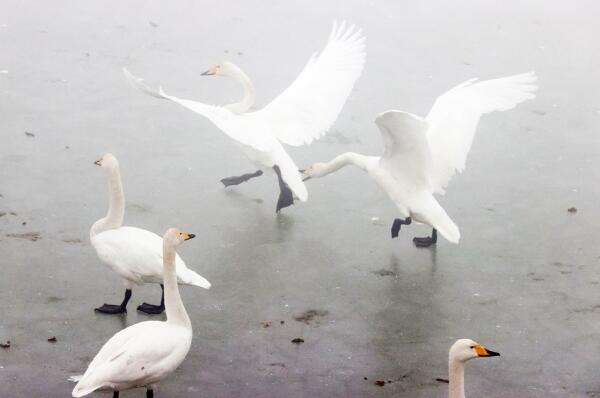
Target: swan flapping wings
[430,151]
[305,110]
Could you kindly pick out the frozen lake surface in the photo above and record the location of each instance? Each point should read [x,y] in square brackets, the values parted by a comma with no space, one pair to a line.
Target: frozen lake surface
[523,281]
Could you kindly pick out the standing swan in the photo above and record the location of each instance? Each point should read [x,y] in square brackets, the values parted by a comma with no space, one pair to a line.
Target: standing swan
[422,154]
[460,352]
[302,113]
[133,253]
[145,353]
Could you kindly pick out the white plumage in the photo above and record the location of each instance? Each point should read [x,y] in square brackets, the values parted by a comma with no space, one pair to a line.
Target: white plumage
[299,115]
[145,353]
[134,254]
[422,154]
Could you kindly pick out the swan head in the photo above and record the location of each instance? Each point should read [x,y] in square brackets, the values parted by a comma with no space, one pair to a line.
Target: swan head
[107,162]
[176,237]
[222,69]
[466,349]
[316,170]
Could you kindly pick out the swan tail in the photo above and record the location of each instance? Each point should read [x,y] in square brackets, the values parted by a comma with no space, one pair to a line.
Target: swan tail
[75,378]
[82,390]
[433,214]
[190,277]
[290,173]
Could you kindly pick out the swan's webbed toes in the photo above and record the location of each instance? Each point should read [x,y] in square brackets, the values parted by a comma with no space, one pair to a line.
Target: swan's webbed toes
[111,309]
[424,242]
[286,198]
[151,309]
[231,181]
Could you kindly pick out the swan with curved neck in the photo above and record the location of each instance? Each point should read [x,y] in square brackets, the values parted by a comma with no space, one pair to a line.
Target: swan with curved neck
[145,353]
[305,111]
[134,254]
[422,154]
[462,351]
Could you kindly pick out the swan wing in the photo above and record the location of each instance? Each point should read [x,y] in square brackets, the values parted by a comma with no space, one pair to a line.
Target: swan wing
[235,126]
[135,355]
[312,103]
[137,254]
[407,156]
[455,114]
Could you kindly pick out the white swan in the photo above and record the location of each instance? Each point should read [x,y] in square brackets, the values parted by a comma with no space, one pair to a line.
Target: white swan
[460,352]
[302,113]
[133,253]
[422,154]
[145,353]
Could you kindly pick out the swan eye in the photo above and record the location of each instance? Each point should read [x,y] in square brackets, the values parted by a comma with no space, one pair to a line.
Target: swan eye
[472,347]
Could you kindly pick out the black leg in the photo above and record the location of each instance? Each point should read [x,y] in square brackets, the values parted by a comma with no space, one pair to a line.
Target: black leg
[398,223]
[153,309]
[239,179]
[149,393]
[116,308]
[116,394]
[426,241]
[286,197]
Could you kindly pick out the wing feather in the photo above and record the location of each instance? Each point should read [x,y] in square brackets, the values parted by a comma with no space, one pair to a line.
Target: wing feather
[312,103]
[455,114]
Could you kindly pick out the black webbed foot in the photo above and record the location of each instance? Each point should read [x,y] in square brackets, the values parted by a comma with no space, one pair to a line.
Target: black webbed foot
[426,241]
[286,198]
[236,180]
[114,308]
[397,224]
[151,309]
[111,309]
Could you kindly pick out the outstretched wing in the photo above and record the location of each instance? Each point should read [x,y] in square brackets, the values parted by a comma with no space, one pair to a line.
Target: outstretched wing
[407,156]
[312,103]
[455,114]
[234,126]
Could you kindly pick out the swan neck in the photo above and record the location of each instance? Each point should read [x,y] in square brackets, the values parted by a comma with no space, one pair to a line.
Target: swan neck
[248,100]
[176,313]
[116,204]
[346,159]
[456,376]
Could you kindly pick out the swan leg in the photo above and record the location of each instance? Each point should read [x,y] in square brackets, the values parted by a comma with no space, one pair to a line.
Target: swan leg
[398,223]
[286,196]
[426,241]
[149,393]
[116,394]
[239,179]
[115,308]
[153,309]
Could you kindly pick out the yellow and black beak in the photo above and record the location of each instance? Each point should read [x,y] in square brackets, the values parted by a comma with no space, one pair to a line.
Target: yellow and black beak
[212,71]
[484,352]
[98,162]
[305,178]
[187,236]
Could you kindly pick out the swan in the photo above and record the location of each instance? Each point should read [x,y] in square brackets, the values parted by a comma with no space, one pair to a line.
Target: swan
[145,353]
[422,154]
[299,115]
[133,253]
[460,352]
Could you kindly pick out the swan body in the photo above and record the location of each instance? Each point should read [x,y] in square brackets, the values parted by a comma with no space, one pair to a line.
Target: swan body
[145,353]
[462,351]
[302,113]
[134,254]
[422,154]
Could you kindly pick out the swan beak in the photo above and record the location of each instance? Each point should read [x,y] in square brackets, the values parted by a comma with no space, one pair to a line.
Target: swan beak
[211,71]
[98,162]
[484,352]
[187,236]
[303,171]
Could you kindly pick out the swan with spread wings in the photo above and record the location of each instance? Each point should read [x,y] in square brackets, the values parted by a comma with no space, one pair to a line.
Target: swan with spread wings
[422,154]
[299,115]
